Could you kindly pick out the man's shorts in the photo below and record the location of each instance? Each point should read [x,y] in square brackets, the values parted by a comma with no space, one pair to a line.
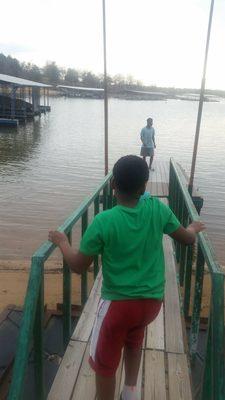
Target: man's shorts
[147,151]
[119,323]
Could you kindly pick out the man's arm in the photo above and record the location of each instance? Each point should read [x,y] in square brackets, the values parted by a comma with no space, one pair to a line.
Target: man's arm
[142,136]
[188,235]
[153,137]
[77,261]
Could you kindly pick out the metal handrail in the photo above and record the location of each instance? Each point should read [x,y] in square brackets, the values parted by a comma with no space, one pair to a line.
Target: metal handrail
[213,382]
[33,311]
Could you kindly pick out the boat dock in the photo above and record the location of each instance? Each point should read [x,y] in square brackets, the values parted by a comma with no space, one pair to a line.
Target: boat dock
[175,365]
[20,99]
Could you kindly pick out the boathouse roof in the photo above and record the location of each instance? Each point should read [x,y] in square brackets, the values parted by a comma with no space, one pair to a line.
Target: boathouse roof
[20,82]
[81,88]
[146,92]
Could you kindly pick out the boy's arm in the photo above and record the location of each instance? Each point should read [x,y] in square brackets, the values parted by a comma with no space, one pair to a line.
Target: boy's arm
[77,261]
[188,235]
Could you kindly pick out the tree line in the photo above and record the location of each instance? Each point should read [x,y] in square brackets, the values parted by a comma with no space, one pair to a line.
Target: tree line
[52,74]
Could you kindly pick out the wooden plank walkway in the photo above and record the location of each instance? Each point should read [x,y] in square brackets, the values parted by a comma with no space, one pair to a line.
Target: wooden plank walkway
[158,184]
[164,372]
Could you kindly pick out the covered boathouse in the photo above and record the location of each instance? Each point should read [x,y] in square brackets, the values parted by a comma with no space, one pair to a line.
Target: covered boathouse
[21,99]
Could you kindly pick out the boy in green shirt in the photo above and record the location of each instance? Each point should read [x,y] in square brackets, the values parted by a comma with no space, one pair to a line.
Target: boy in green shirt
[129,239]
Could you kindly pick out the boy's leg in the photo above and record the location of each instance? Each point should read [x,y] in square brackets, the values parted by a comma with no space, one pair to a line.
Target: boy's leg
[132,359]
[105,387]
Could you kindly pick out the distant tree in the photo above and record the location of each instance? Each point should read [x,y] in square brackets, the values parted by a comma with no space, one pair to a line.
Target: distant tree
[32,72]
[3,64]
[89,79]
[10,66]
[119,80]
[51,73]
[72,77]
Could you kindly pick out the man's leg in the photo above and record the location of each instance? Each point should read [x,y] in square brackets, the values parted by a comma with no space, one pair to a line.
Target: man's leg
[132,359]
[150,163]
[105,387]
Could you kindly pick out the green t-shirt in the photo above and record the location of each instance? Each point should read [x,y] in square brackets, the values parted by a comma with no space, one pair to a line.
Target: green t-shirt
[130,243]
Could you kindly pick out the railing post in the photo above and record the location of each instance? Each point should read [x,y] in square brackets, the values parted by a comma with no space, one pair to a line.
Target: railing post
[26,331]
[207,389]
[84,274]
[188,273]
[96,211]
[38,344]
[198,202]
[105,197]
[195,320]
[218,344]
[110,198]
[66,300]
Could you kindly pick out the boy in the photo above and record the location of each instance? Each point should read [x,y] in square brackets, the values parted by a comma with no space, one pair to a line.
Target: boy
[129,238]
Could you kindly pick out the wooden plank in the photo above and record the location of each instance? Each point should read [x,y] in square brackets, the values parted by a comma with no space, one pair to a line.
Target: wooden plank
[179,378]
[85,324]
[154,379]
[155,333]
[139,380]
[173,324]
[66,376]
[85,385]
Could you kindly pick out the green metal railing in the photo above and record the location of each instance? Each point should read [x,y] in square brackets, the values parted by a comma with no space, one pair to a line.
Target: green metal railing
[194,261]
[31,332]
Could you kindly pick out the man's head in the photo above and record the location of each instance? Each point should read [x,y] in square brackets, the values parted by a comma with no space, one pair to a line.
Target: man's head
[149,122]
[130,175]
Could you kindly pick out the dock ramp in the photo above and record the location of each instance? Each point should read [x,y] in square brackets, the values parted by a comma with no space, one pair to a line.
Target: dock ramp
[169,357]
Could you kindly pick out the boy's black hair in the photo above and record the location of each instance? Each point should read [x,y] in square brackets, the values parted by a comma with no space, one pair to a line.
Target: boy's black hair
[130,174]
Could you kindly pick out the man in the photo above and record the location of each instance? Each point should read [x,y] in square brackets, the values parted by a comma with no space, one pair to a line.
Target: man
[148,142]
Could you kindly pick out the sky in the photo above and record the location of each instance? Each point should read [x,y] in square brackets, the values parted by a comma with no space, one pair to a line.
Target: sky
[160,42]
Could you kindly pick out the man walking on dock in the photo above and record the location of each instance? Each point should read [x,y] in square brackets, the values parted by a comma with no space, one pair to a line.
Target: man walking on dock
[148,142]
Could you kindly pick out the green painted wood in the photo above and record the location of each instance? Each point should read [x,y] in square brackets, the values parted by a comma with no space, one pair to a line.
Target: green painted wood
[46,249]
[207,386]
[195,320]
[32,298]
[38,343]
[204,241]
[66,299]
[26,331]
[218,337]
[187,287]
[105,197]
[96,259]
[84,294]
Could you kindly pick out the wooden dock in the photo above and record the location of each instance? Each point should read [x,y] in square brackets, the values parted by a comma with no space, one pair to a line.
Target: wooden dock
[164,372]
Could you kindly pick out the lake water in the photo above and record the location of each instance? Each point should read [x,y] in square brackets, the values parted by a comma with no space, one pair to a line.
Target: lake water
[52,163]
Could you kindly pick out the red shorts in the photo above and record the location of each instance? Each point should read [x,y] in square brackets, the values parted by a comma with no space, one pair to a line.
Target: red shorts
[119,323]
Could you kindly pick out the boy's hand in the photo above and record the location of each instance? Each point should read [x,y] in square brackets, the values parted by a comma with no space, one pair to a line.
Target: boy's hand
[196,227]
[58,238]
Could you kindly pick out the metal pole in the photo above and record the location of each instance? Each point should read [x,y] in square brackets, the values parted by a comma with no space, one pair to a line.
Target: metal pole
[105,91]
[201,99]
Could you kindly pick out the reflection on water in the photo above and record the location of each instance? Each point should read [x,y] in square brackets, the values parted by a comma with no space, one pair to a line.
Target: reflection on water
[17,146]
[49,165]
